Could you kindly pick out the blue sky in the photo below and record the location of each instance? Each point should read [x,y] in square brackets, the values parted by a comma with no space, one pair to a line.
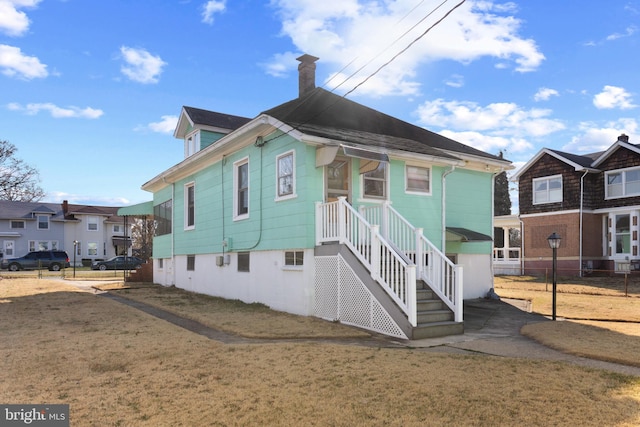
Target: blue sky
[90,91]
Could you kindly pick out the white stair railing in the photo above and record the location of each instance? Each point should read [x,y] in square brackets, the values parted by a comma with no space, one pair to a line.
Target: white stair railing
[443,276]
[338,221]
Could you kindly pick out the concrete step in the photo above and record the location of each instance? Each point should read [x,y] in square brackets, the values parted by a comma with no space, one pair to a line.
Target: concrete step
[434,316]
[437,329]
[430,304]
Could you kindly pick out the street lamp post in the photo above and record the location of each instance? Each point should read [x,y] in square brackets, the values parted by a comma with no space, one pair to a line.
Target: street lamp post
[75,251]
[554,243]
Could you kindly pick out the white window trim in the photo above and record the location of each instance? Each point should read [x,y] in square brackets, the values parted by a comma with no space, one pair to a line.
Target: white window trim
[546,178]
[293,267]
[16,221]
[387,186]
[48,222]
[188,185]
[406,180]
[293,190]
[236,166]
[192,143]
[89,222]
[623,172]
[90,248]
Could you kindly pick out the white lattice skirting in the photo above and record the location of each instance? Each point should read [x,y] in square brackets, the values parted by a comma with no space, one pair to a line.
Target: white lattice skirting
[341,296]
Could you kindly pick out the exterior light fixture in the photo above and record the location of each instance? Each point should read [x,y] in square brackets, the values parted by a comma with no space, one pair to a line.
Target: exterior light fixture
[554,242]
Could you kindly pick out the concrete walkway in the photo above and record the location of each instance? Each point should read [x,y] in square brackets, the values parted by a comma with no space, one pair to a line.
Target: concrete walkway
[491,328]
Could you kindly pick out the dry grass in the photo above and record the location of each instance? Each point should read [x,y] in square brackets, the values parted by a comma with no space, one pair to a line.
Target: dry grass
[604,323]
[117,366]
[248,320]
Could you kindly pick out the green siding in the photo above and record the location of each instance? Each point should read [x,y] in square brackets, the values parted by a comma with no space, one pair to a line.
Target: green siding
[207,138]
[271,224]
[469,205]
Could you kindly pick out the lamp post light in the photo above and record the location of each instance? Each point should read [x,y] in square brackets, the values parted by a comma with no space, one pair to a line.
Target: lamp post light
[554,243]
[75,251]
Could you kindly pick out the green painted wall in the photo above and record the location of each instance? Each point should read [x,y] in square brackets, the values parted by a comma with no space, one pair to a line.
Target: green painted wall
[207,138]
[271,224]
[470,205]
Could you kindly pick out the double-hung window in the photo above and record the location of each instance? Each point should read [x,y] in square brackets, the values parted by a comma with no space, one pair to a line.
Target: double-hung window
[43,222]
[92,223]
[622,183]
[418,179]
[375,182]
[189,206]
[241,189]
[286,175]
[547,189]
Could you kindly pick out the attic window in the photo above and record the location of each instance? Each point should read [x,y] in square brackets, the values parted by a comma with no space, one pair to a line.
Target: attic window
[192,144]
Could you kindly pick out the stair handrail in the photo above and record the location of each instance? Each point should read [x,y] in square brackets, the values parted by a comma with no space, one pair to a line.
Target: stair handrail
[443,276]
[339,221]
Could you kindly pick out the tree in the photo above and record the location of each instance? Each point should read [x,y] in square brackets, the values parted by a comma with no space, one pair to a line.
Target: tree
[142,232]
[18,181]
[501,197]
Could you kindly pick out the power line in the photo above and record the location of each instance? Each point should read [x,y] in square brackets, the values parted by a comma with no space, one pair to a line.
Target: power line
[414,41]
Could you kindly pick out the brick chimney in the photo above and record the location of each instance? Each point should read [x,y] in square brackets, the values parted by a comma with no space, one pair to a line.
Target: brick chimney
[623,138]
[65,207]
[306,74]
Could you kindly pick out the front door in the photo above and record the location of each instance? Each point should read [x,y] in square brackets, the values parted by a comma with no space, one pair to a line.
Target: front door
[338,179]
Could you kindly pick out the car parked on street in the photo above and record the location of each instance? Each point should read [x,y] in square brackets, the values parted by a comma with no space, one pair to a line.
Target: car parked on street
[118,263]
[53,260]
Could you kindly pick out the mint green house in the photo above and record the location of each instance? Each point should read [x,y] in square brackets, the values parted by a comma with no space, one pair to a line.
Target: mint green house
[324,207]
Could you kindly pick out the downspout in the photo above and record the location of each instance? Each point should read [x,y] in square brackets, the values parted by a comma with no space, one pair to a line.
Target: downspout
[581,225]
[444,209]
[521,246]
[173,233]
[493,214]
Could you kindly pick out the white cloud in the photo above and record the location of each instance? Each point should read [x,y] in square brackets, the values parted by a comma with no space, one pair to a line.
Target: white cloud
[57,112]
[500,117]
[14,22]
[613,97]
[340,32]
[141,66]
[210,8]
[544,94]
[14,63]
[628,33]
[455,80]
[281,63]
[80,199]
[494,127]
[594,137]
[166,125]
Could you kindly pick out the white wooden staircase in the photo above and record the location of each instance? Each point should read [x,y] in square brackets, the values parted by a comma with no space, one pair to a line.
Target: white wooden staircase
[389,279]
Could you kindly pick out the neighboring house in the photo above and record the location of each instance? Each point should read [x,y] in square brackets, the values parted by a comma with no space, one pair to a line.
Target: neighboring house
[592,201]
[95,232]
[322,206]
[507,242]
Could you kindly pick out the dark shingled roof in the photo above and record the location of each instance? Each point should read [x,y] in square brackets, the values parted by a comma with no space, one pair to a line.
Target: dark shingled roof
[325,114]
[211,118]
[583,160]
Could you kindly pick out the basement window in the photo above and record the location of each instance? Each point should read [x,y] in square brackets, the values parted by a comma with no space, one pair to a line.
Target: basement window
[293,258]
[191,262]
[243,261]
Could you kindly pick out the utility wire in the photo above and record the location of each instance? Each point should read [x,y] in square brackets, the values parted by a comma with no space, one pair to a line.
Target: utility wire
[414,41]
